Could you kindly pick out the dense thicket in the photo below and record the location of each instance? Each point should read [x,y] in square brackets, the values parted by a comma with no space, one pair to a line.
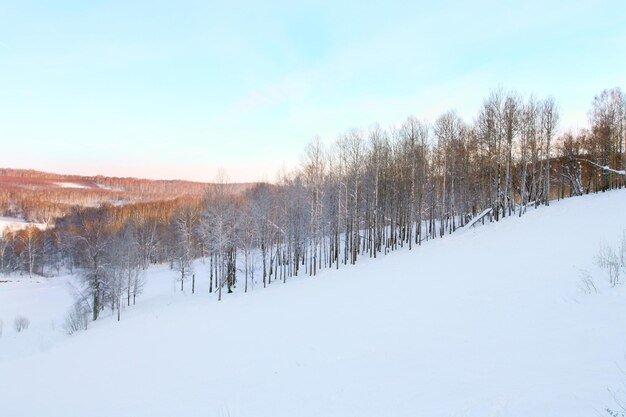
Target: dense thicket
[369,193]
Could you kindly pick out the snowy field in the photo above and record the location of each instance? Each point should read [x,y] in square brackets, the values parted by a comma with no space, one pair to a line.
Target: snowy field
[488,322]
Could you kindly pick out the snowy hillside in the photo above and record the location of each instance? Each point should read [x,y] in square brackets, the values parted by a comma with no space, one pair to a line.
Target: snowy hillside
[490,321]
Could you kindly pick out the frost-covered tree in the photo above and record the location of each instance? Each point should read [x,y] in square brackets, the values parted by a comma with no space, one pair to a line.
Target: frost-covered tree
[92,241]
[129,263]
[183,225]
[219,225]
[31,238]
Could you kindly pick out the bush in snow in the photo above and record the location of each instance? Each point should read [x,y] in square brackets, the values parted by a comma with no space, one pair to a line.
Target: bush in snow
[620,411]
[21,323]
[76,319]
[613,261]
[587,285]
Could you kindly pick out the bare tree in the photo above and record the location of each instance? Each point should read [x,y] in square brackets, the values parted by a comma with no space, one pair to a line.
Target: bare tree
[549,122]
[92,241]
[30,238]
[219,223]
[183,225]
[570,149]
[607,123]
[129,263]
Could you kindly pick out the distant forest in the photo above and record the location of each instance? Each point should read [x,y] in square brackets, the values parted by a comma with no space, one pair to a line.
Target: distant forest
[41,197]
[369,193]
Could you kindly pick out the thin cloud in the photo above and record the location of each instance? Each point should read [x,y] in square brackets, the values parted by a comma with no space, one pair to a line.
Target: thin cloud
[270,95]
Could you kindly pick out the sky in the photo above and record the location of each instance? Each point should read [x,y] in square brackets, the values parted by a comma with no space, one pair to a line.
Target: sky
[164,89]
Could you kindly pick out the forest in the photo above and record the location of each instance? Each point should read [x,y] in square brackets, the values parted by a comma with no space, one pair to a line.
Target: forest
[367,194]
[41,197]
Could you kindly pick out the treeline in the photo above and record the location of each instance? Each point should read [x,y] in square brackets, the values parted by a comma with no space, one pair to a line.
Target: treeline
[42,197]
[32,178]
[367,194]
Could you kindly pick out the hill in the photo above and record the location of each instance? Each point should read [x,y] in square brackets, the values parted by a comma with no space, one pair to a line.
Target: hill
[488,321]
[39,196]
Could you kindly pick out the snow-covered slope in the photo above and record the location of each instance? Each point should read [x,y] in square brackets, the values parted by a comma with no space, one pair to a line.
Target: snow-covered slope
[487,322]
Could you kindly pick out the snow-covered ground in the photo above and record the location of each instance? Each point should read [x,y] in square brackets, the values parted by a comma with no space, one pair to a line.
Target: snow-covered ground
[13,223]
[70,185]
[488,322]
[92,186]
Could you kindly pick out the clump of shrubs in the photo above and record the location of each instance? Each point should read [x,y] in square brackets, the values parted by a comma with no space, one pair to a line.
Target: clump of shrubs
[21,323]
[613,261]
[77,318]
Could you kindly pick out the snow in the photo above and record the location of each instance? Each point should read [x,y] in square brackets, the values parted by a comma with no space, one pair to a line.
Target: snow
[85,186]
[479,217]
[15,223]
[456,327]
[70,185]
[44,301]
[604,167]
[10,221]
[615,171]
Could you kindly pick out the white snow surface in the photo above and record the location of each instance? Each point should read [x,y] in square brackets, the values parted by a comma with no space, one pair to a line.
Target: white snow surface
[70,185]
[14,223]
[488,322]
[6,222]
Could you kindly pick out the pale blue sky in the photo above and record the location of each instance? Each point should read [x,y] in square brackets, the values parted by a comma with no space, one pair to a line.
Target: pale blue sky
[176,89]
